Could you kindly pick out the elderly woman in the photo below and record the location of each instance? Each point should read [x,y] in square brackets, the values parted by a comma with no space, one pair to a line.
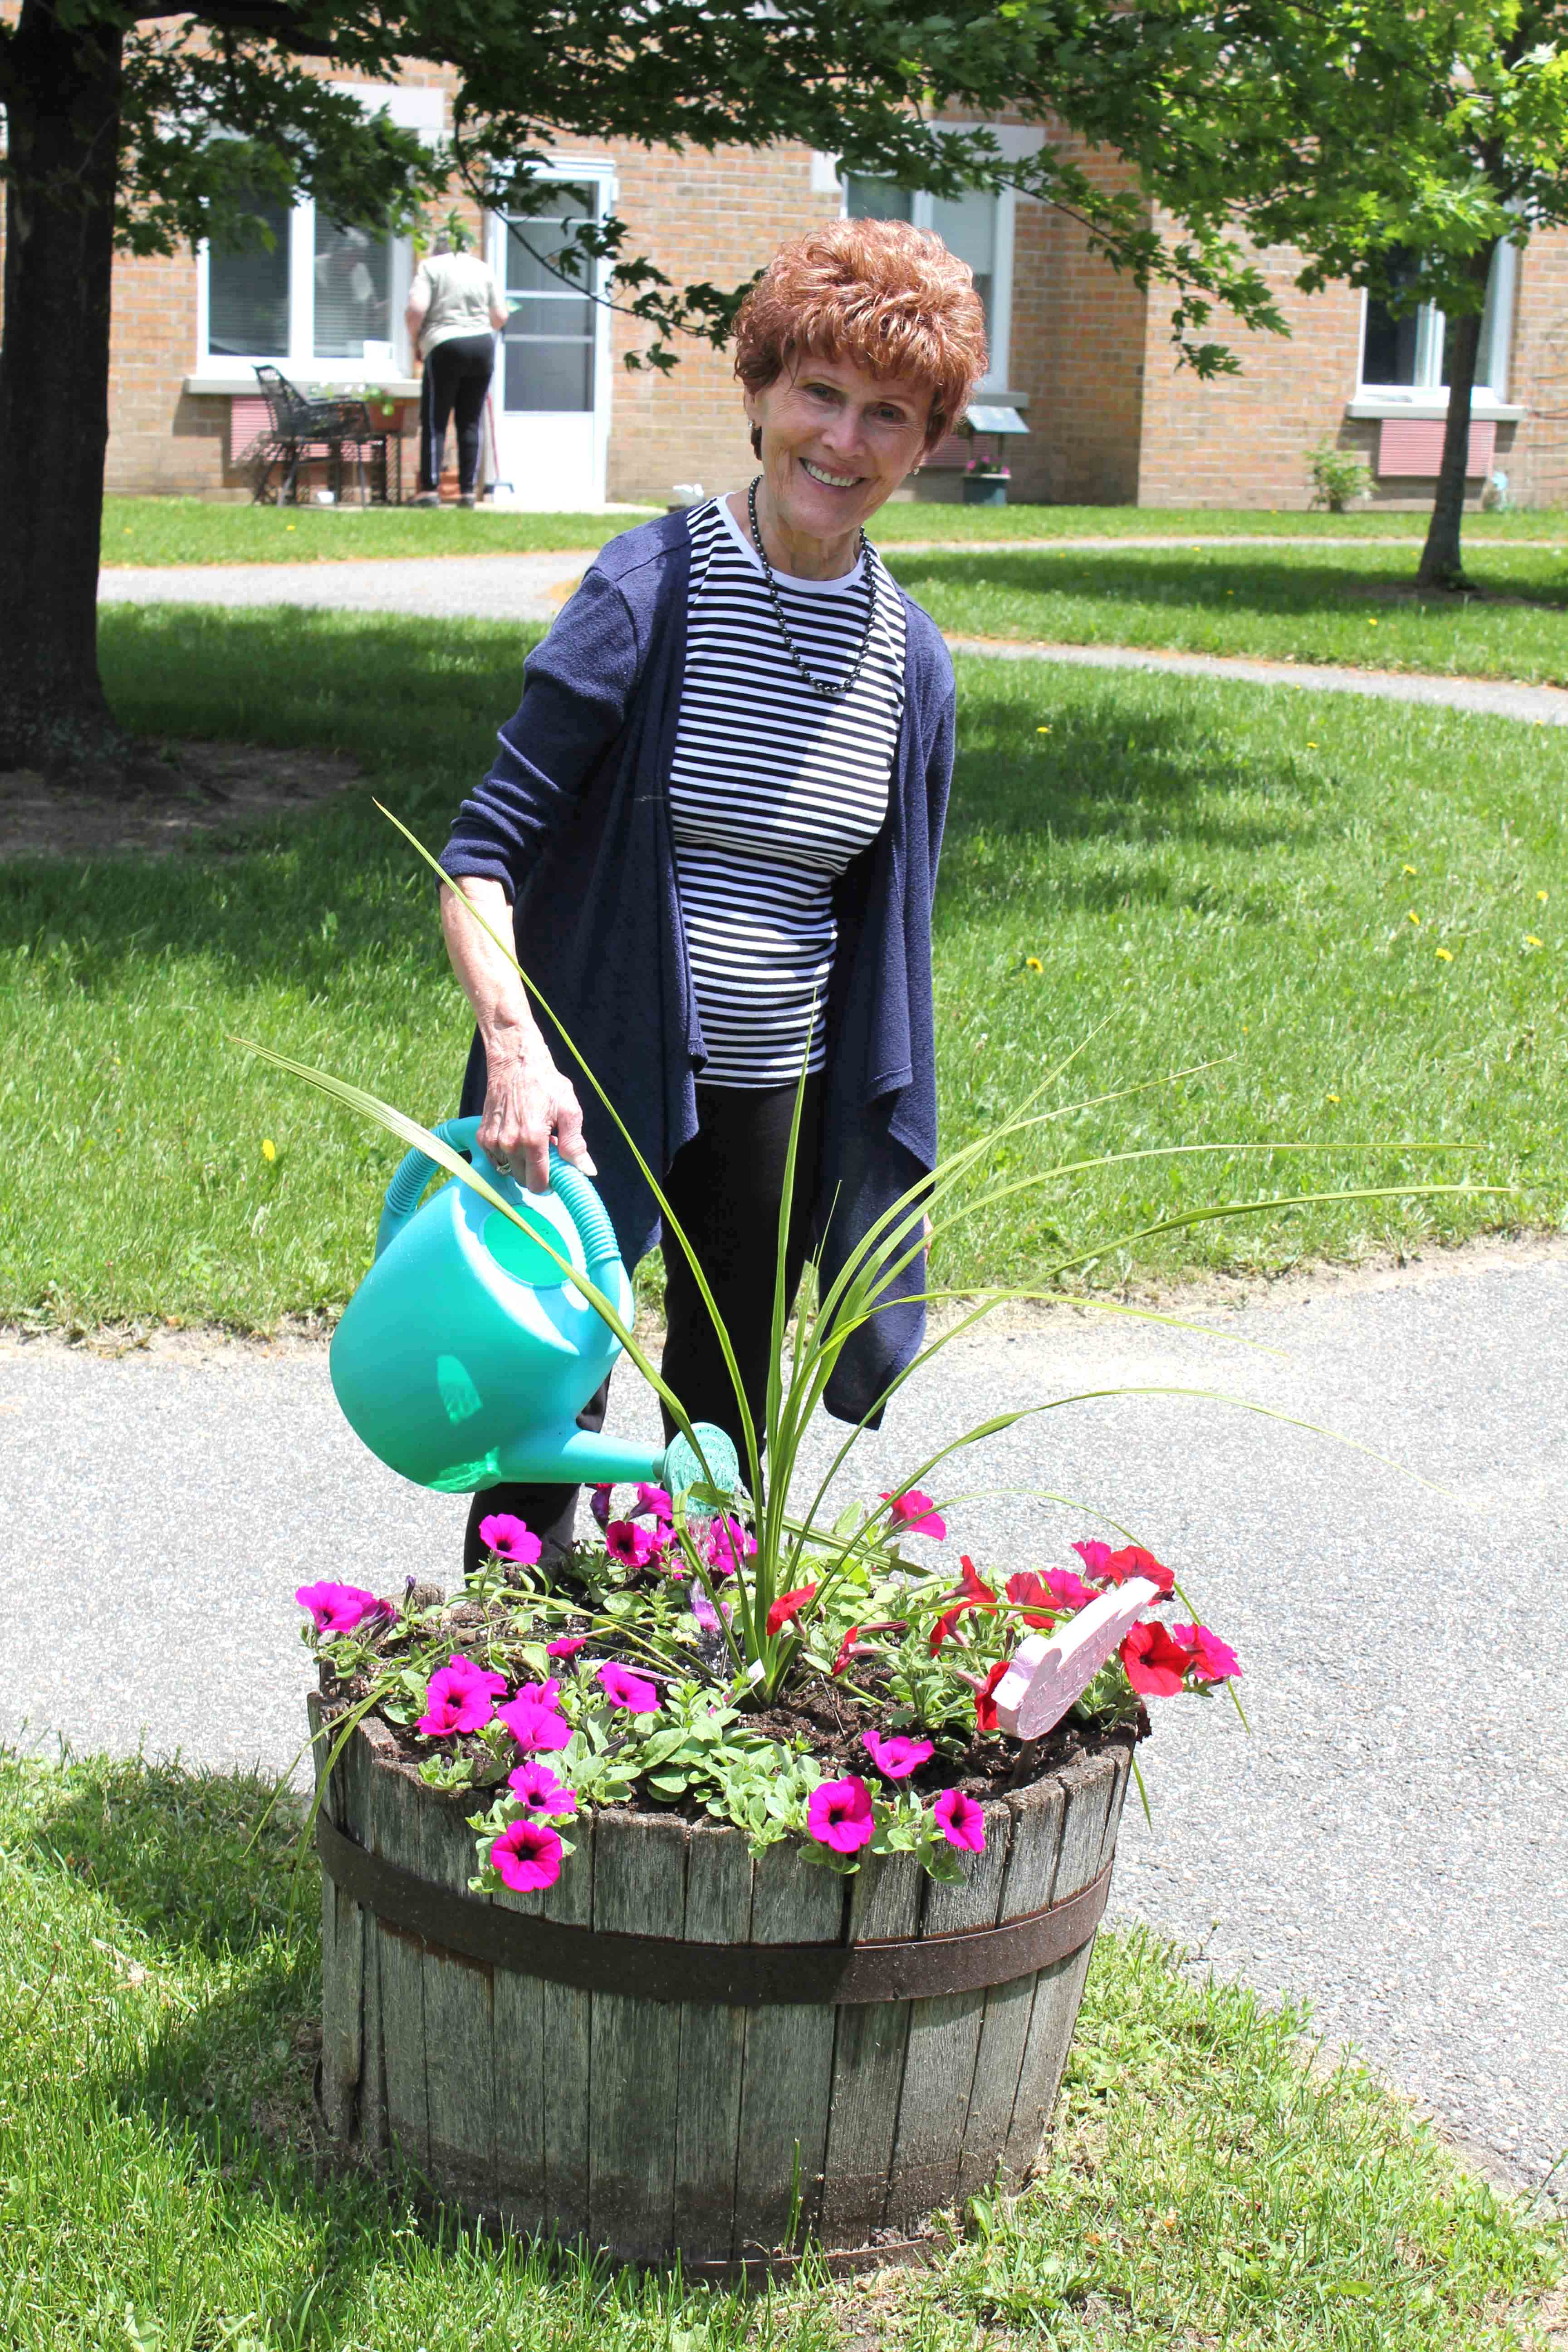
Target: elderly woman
[713,827]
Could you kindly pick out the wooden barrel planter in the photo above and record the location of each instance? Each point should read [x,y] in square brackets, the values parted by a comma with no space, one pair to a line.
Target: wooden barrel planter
[680,2049]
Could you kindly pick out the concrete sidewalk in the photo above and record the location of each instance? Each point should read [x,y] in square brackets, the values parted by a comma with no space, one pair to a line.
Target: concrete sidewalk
[1390,1839]
[530,590]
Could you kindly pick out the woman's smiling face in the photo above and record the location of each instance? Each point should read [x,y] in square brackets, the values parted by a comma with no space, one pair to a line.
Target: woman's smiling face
[837,443]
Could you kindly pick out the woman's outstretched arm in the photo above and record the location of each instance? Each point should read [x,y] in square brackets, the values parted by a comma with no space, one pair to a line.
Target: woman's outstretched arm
[527,1100]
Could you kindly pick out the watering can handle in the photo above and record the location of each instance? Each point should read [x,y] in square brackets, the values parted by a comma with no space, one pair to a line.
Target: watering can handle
[572,1187]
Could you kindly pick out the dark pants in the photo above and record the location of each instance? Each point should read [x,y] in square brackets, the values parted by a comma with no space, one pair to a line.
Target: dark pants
[725,1187]
[457,377]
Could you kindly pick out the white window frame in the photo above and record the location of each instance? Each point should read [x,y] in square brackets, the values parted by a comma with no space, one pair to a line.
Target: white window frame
[921,204]
[1431,328]
[413,110]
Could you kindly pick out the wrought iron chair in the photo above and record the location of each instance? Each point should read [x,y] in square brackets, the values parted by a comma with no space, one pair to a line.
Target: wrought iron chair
[299,428]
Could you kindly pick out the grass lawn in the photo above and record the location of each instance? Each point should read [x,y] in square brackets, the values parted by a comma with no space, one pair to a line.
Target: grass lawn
[159,2007]
[1294,604]
[201,530]
[1356,910]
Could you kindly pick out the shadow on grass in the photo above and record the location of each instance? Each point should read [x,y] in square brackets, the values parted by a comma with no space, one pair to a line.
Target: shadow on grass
[1253,579]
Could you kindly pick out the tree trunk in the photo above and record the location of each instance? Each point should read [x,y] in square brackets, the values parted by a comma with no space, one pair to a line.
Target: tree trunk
[1441,563]
[63,118]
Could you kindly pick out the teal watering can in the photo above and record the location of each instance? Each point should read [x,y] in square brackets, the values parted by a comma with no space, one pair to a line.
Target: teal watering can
[465,1355]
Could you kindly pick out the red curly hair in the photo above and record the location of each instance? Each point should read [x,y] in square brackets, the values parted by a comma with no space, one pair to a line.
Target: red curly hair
[888,297]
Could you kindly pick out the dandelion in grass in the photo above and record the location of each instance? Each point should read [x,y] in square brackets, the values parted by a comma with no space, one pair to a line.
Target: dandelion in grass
[1531,940]
[339,1607]
[839,1814]
[527,1856]
[269,1150]
[511,1538]
[1413,918]
[898,1756]
[538,1791]
[1445,955]
[961,1820]
[1033,963]
[1407,869]
[623,1689]
[462,1696]
[1543,897]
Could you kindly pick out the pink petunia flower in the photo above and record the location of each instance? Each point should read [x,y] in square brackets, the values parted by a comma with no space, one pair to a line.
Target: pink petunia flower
[961,1820]
[655,1503]
[567,1647]
[1068,1590]
[533,1720]
[533,1784]
[1027,1587]
[461,1698]
[702,1609]
[623,1689]
[527,1855]
[916,1514]
[599,1504]
[1155,1666]
[633,1546]
[839,1814]
[1107,1567]
[788,1605]
[510,1539]
[339,1607]
[1212,1660]
[896,1757]
[728,1545]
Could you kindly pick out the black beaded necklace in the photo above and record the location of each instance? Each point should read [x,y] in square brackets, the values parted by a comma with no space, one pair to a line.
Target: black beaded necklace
[830,691]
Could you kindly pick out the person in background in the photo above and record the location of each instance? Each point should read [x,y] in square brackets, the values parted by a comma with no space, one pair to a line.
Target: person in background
[712,830]
[455,311]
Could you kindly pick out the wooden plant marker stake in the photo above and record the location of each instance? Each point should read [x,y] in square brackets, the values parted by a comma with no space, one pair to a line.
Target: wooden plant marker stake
[1050,1671]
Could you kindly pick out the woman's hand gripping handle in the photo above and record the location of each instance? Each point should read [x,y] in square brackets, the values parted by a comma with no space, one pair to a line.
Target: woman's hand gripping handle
[527,1100]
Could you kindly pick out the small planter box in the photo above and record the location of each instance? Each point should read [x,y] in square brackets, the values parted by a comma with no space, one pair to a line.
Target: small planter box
[630,2060]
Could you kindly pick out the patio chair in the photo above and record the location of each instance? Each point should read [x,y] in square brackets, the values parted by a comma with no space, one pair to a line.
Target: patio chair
[299,428]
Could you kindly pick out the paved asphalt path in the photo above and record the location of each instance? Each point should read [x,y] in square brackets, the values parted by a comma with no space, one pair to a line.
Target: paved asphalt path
[1389,1841]
[532,588]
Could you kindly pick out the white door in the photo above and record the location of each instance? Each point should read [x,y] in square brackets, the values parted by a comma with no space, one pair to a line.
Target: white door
[552,381]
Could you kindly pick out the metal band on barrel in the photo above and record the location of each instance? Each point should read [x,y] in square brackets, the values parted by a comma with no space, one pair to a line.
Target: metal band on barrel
[737,1976]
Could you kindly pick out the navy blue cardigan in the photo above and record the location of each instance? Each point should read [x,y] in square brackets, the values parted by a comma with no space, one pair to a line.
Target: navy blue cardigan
[573,822]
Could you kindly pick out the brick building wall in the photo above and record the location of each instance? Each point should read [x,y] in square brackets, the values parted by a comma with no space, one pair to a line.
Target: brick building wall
[1078,337]
[1534,454]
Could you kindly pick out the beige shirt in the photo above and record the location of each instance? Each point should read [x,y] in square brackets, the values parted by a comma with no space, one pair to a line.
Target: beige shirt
[461,289]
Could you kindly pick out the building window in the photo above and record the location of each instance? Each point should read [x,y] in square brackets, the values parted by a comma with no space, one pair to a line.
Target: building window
[321,290]
[977,226]
[1408,353]
[550,331]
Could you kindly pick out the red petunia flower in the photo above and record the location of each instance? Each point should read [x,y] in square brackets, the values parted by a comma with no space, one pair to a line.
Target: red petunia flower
[788,1605]
[1212,1660]
[845,1649]
[984,1705]
[971,1594]
[1027,1586]
[1157,1667]
[1109,1567]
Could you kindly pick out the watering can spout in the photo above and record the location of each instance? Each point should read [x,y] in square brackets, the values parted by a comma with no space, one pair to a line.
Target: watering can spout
[467,1353]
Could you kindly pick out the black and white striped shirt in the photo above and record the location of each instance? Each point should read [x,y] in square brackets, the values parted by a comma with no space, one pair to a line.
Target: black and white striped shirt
[773,791]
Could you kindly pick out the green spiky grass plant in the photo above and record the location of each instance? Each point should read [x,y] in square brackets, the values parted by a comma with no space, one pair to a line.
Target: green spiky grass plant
[794,1550]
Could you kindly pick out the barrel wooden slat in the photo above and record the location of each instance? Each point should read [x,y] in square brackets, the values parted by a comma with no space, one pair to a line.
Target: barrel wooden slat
[1088,1785]
[639,1889]
[343,1957]
[394,1804]
[459,2064]
[517,2014]
[944,2040]
[357,1769]
[1033,1847]
[788,2063]
[568,2052]
[712,2051]
[868,2059]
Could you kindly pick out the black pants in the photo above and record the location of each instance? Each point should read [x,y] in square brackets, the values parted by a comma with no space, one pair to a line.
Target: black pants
[725,1188]
[456,376]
